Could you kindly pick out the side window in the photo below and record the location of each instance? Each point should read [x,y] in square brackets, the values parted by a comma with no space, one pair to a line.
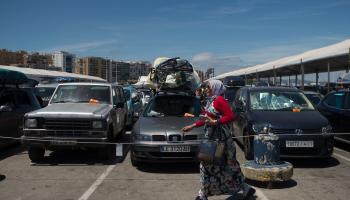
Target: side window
[22,98]
[243,97]
[122,98]
[115,100]
[6,99]
[336,100]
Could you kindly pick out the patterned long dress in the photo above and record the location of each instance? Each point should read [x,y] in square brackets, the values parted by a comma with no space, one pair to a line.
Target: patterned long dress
[220,179]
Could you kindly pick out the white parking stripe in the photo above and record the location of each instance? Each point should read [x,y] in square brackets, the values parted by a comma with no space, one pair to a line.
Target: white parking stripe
[260,194]
[98,182]
[342,157]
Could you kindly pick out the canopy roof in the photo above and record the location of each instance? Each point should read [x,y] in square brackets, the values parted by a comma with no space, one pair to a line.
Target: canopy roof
[38,74]
[337,55]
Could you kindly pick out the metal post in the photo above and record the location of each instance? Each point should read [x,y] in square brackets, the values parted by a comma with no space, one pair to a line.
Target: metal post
[329,75]
[302,74]
[280,80]
[317,77]
[296,80]
[288,80]
[257,76]
[268,80]
[245,79]
[274,75]
[347,70]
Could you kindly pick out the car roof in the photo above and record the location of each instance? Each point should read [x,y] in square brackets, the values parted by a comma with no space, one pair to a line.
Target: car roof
[51,85]
[173,93]
[266,88]
[310,92]
[88,83]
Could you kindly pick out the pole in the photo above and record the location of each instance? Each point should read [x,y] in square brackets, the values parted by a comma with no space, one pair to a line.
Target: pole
[257,76]
[274,76]
[329,75]
[302,74]
[317,77]
[280,80]
[289,80]
[296,80]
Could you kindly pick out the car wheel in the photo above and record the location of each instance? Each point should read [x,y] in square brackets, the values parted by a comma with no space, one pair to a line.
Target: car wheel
[248,147]
[36,153]
[134,162]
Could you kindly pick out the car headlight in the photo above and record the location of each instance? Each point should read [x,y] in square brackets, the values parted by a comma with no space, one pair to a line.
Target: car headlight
[31,123]
[140,137]
[262,128]
[97,124]
[326,130]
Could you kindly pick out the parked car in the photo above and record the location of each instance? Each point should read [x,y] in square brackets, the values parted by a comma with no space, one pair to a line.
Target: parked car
[314,97]
[134,104]
[302,130]
[77,112]
[232,84]
[157,135]
[336,108]
[45,91]
[15,101]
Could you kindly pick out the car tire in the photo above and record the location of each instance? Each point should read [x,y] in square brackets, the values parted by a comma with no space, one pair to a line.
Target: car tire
[248,147]
[133,160]
[36,153]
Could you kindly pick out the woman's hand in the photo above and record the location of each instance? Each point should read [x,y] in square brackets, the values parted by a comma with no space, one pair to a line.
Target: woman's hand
[210,121]
[188,115]
[187,128]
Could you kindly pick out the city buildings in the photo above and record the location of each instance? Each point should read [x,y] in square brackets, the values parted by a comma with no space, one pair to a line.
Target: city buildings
[64,60]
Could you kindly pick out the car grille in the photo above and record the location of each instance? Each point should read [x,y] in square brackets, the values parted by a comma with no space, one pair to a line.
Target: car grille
[292,131]
[66,133]
[190,137]
[158,137]
[59,124]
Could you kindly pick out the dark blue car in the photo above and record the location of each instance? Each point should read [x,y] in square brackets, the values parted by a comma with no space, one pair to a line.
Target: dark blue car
[302,130]
[336,108]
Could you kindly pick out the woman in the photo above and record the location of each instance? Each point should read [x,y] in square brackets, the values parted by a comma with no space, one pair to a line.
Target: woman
[226,178]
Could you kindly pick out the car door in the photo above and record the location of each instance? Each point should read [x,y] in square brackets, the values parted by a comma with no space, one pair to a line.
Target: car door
[8,115]
[345,120]
[114,111]
[240,108]
[332,107]
[124,110]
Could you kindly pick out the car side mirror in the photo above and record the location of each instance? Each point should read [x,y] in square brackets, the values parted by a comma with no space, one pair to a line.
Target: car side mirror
[5,108]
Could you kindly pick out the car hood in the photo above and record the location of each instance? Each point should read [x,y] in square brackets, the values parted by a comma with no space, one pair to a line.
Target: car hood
[165,125]
[290,120]
[68,110]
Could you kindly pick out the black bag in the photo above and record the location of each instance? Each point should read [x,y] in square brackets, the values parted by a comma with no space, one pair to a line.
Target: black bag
[212,150]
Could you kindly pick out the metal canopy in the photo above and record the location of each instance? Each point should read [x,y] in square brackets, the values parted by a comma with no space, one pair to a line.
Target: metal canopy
[316,60]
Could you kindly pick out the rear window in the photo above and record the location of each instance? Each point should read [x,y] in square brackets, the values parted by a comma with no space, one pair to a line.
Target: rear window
[173,105]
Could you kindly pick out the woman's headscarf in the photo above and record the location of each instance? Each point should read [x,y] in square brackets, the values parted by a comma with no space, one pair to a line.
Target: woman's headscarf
[217,87]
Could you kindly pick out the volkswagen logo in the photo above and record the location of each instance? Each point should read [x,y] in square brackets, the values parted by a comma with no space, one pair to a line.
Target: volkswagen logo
[298,131]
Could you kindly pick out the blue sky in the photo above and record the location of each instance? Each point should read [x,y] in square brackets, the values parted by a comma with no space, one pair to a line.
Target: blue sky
[223,34]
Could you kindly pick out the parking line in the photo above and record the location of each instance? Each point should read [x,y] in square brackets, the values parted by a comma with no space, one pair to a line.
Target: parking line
[340,156]
[98,182]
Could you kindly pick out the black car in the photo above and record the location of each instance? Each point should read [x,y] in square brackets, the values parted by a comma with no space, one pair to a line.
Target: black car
[335,107]
[314,97]
[302,130]
[232,84]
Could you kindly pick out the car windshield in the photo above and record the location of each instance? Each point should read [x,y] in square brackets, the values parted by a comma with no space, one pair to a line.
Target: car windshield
[279,101]
[82,94]
[173,105]
[44,91]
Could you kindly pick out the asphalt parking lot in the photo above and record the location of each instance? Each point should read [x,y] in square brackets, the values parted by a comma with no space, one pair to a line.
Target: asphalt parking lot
[82,175]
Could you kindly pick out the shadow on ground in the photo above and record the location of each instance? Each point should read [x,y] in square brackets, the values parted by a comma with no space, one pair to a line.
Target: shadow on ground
[2,177]
[171,168]
[14,149]
[312,162]
[273,185]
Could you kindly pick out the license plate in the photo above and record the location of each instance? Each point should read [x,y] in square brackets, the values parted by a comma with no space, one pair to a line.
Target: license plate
[63,142]
[300,143]
[175,148]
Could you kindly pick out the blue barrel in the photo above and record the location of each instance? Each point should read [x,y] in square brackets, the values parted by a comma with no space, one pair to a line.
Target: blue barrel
[266,149]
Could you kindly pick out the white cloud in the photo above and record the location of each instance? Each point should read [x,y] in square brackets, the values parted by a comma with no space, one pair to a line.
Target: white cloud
[83,46]
[221,63]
